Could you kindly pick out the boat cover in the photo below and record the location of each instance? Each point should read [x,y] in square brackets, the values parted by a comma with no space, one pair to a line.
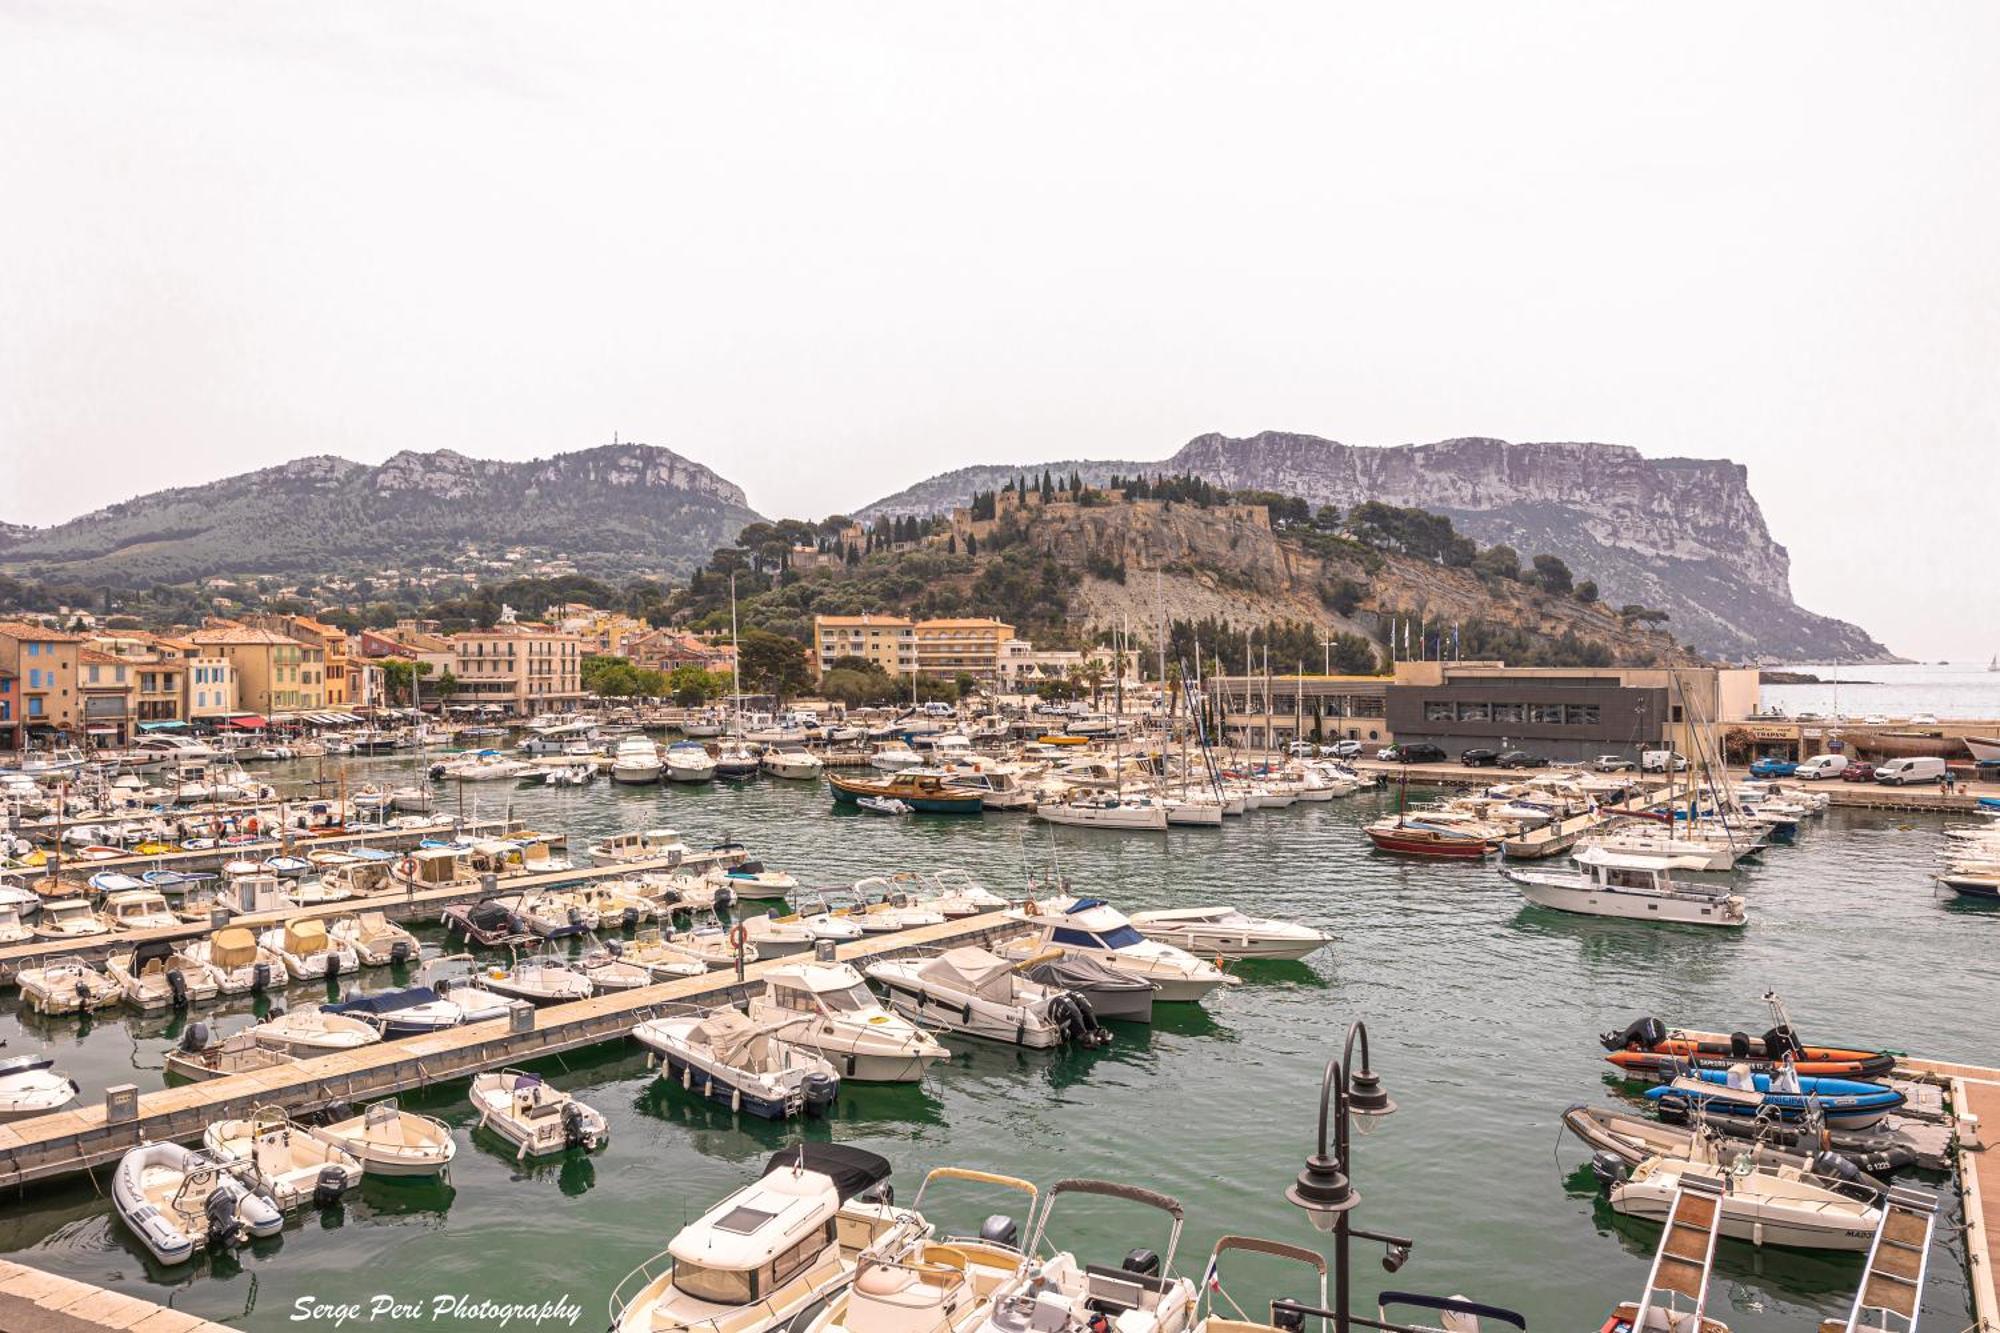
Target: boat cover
[150,951]
[851,1169]
[373,923]
[973,970]
[305,937]
[1078,972]
[233,946]
[489,916]
[384,1002]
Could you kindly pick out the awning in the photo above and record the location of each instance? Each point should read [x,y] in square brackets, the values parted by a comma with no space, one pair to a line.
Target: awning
[101,731]
[172,724]
[248,722]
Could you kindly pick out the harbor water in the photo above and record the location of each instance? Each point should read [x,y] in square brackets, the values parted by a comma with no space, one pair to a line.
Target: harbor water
[1483,1016]
[1946,690]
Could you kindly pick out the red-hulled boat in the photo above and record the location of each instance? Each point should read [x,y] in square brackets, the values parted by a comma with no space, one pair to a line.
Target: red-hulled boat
[1454,837]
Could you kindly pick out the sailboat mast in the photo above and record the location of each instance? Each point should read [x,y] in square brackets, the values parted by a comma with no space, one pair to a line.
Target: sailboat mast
[735,663]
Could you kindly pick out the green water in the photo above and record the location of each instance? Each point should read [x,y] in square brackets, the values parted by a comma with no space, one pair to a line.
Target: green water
[1483,1013]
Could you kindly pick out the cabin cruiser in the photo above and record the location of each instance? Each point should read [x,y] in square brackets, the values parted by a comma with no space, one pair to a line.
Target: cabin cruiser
[390,1141]
[786,762]
[154,975]
[287,1161]
[635,761]
[772,1251]
[1094,929]
[1111,994]
[652,845]
[744,1065]
[1061,1294]
[1225,932]
[970,990]
[1631,888]
[485,766]
[407,1012]
[688,762]
[310,1032]
[69,919]
[13,930]
[736,762]
[29,1086]
[66,986]
[309,954]
[177,1200]
[537,1119]
[845,1023]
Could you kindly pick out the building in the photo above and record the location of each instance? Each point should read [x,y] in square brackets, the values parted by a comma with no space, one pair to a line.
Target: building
[108,687]
[1024,668]
[43,663]
[1261,712]
[664,650]
[208,681]
[8,698]
[518,666]
[940,648]
[276,675]
[332,643]
[1564,713]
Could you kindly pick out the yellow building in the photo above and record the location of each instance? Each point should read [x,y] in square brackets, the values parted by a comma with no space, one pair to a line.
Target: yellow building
[47,705]
[949,648]
[275,673]
[942,648]
[332,643]
[109,688]
[888,641]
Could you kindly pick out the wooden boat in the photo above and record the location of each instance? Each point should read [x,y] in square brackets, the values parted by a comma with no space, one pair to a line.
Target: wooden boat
[1892,1279]
[931,793]
[1432,836]
[390,1141]
[537,1119]
[1675,1298]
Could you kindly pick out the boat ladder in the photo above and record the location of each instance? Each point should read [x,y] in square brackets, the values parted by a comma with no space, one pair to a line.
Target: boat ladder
[1893,1282]
[1686,1255]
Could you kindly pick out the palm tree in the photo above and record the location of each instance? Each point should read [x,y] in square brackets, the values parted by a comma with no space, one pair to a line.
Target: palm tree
[1093,675]
[1173,684]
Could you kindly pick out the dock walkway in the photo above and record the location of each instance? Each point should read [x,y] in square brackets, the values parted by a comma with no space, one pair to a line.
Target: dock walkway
[1975,1108]
[46,1303]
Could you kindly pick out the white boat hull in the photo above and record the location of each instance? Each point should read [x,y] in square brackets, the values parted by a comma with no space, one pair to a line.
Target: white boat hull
[1634,907]
[1753,1220]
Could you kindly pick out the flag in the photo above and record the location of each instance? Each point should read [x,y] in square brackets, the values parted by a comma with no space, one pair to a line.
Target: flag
[1212,1279]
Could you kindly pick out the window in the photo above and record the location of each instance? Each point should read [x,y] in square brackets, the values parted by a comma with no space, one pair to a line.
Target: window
[1580,715]
[717,1286]
[34,678]
[1547,714]
[799,1257]
[34,708]
[1509,712]
[1473,712]
[1436,712]
[93,673]
[34,650]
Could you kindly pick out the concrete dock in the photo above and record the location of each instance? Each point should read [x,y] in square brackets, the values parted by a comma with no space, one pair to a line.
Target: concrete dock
[33,1300]
[295,843]
[85,1138]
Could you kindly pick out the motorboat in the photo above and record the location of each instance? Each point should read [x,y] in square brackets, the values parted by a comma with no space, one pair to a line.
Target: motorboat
[1765,1206]
[753,881]
[156,975]
[375,939]
[771,1252]
[616,904]
[682,891]
[636,761]
[1225,932]
[13,930]
[687,761]
[1784,1096]
[288,1162]
[921,789]
[884,805]
[198,1057]
[478,1004]
[486,923]
[747,1066]
[1092,927]
[537,980]
[712,945]
[238,962]
[537,1119]
[549,914]
[1111,993]
[1630,888]
[404,1012]
[309,953]
[29,1086]
[845,1023]
[1106,810]
[253,890]
[69,919]
[138,909]
[1632,1138]
[1280,1320]
[390,1141]
[1063,1294]
[177,1200]
[486,766]
[570,775]
[610,971]
[1649,1047]
[310,1032]
[666,960]
[736,762]
[653,844]
[1675,1297]
[321,890]
[893,757]
[956,894]
[970,990]
[66,986]
[774,936]
[786,762]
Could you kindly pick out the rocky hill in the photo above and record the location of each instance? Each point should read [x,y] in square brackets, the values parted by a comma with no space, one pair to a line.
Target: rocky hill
[1682,535]
[616,508]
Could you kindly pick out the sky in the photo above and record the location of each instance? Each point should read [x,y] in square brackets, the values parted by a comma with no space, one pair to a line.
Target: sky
[829,249]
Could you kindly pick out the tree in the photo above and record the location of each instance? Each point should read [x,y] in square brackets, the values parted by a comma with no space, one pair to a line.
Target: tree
[447,685]
[1498,562]
[691,686]
[1586,591]
[1553,574]
[1093,676]
[772,664]
[397,673]
[965,683]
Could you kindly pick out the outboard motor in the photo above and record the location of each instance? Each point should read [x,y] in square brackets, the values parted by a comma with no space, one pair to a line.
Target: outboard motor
[224,1227]
[1609,1168]
[1640,1034]
[616,948]
[177,986]
[194,1037]
[333,967]
[631,918]
[328,1188]
[881,1192]
[260,978]
[574,1131]
[819,1091]
[1739,1046]
[399,951]
[1840,1172]
[1000,1229]
[575,916]
[1291,1321]
[82,995]
[724,896]
[1143,1262]
[671,897]
[1781,1041]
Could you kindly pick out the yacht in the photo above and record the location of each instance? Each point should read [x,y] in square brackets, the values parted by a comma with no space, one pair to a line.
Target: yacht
[1633,888]
[745,1066]
[1091,928]
[970,990]
[1105,810]
[1225,932]
[773,1250]
[636,761]
[689,762]
[845,1023]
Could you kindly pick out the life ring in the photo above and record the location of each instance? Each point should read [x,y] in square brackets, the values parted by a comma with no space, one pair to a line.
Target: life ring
[250,825]
[1031,908]
[407,867]
[738,937]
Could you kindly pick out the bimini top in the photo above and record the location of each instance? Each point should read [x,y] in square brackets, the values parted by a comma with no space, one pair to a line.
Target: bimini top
[851,1169]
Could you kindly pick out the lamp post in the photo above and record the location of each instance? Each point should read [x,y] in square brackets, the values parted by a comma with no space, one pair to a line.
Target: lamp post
[1324,1190]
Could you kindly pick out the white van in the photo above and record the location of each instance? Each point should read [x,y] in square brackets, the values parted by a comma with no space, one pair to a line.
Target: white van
[1902,772]
[1821,766]
[1657,761]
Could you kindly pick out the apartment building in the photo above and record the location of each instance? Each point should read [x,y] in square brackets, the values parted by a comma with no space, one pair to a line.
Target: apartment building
[107,687]
[942,648]
[949,648]
[887,641]
[520,667]
[331,641]
[666,649]
[275,674]
[43,662]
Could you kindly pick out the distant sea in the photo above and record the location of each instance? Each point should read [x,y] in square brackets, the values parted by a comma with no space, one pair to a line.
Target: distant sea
[1952,689]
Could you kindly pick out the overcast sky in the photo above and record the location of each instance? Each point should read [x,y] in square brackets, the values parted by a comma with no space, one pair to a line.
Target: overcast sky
[829,249]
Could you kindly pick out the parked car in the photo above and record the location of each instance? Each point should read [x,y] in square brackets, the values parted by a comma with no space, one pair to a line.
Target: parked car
[1387,753]
[1773,767]
[1301,749]
[1657,761]
[1522,759]
[1613,763]
[1902,772]
[1342,750]
[1858,772]
[1923,719]
[1822,766]
[1417,752]
[1478,758]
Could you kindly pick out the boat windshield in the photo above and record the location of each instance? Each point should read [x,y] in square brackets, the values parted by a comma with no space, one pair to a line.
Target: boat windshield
[717,1286]
[851,1000]
[1118,937]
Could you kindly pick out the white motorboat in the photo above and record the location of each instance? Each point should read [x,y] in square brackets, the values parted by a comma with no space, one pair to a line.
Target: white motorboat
[29,1086]
[155,975]
[478,1004]
[1224,932]
[790,763]
[138,909]
[177,1200]
[746,1066]
[893,757]
[1091,928]
[1105,810]
[651,845]
[663,959]
[1765,1205]
[309,1032]
[610,971]
[1675,1299]
[955,893]
[636,761]
[883,905]
[1629,888]
[13,930]
[287,1161]
[69,919]
[198,1057]
[375,939]
[845,1023]
[324,889]
[1213,1295]
[537,1119]
[883,805]
[239,963]
[970,990]
[309,953]
[390,1141]
[711,945]
[66,987]
[537,980]
[486,766]
[688,762]
[405,1012]
[616,904]
[775,936]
